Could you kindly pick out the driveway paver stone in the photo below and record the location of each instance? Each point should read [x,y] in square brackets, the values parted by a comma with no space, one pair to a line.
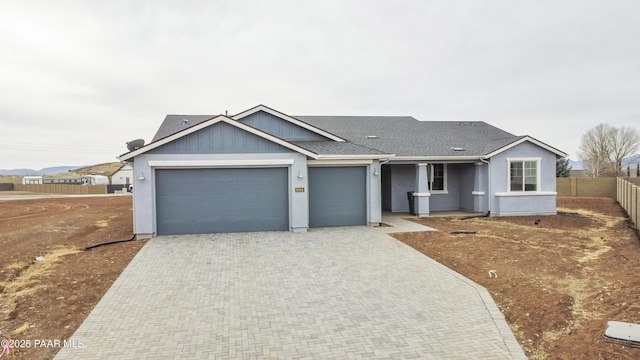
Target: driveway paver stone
[331,293]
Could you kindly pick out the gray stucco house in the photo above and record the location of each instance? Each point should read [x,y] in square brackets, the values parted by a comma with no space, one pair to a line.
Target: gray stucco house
[264,170]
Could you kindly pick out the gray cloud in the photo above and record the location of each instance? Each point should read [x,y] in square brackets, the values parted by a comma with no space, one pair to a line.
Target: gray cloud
[97,74]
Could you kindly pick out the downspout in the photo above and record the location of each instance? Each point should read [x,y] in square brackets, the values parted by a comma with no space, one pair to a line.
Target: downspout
[489,198]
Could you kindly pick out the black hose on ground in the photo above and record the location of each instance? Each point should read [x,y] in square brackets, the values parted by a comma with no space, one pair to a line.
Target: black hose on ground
[476,216]
[89,247]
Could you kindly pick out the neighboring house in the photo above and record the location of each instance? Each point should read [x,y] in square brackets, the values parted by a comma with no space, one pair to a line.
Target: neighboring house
[27,180]
[123,176]
[264,170]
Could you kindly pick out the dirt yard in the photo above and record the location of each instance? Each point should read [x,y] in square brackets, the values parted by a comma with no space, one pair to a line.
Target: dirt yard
[48,282]
[559,278]
[559,281]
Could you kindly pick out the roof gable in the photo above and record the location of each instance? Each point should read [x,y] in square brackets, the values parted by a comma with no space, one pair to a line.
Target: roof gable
[304,125]
[521,139]
[205,124]
[220,138]
[281,128]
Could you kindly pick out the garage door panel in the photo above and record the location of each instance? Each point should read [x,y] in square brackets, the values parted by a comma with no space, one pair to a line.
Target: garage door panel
[337,196]
[192,201]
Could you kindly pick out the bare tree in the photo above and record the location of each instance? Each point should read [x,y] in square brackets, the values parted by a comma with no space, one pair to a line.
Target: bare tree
[603,147]
[626,143]
[595,147]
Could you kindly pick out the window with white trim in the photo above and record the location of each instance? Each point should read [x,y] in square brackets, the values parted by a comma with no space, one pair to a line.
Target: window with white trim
[438,178]
[524,174]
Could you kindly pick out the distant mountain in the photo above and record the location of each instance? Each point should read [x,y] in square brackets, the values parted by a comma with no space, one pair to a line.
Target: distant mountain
[631,161]
[46,171]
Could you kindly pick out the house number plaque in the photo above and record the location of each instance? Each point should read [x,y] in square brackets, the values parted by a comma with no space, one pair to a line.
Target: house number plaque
[299,189]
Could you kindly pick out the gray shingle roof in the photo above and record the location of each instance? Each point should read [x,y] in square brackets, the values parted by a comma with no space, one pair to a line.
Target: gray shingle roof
[399,135]
[337,148]
[174,123]
[406,136]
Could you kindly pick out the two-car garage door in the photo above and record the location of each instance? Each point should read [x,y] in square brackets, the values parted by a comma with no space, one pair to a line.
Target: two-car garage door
[193,201]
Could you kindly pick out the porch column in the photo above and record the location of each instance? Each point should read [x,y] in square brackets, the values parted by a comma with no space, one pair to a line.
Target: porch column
[479,186]
[421,195]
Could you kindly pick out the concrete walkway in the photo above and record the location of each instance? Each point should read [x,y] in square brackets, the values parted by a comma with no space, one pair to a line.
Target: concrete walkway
[334,293]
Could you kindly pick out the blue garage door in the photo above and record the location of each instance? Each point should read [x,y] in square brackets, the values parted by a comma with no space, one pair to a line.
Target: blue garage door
[337,196]
[196,201]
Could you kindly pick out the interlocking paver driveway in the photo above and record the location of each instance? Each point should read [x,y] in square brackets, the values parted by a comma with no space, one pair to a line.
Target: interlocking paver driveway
[340,293]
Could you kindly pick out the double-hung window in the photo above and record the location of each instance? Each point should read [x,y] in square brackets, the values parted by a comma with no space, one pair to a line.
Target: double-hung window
[524,174]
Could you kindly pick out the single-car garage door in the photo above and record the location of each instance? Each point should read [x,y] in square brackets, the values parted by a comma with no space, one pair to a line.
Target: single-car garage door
[337,196]
[196,201]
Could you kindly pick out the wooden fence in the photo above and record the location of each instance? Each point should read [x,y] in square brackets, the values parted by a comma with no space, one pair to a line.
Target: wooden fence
[628,196]
[61,189]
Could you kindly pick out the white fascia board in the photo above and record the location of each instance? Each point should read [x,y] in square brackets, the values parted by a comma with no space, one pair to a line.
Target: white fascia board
[531,140]
[339,162]
[218,163]
[217,119]
[288,118]
[354,157]
[436,158]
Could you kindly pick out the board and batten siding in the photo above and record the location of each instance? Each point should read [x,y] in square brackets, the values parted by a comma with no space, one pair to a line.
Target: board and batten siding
[281,128]
[220,138]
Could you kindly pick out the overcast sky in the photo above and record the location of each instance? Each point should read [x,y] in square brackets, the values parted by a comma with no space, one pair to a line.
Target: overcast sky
[78,79]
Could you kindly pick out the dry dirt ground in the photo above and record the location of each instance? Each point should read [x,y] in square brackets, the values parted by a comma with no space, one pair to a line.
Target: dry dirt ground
[558,281]
[49,299]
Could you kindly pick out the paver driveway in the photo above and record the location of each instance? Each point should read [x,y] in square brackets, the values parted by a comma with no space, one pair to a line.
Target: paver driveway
[339,293]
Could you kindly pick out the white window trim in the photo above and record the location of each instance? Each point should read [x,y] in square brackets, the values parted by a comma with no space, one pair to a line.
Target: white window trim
[526,193]
[538,177]
[444,190]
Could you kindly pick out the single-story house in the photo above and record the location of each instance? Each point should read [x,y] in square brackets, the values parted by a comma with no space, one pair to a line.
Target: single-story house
[264,170]
[123,176]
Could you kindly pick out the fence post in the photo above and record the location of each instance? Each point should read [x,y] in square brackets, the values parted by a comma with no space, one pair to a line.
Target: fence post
[625,195]
[636,207]
[629,196]
[633,204]
[623,189]
[618,190]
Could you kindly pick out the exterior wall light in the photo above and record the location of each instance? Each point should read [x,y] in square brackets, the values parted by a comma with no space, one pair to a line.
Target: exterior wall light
[375,171]
[141,176]
[300,175]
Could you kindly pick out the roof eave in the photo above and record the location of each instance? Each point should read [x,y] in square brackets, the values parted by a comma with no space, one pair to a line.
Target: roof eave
[356,157]
[438,158]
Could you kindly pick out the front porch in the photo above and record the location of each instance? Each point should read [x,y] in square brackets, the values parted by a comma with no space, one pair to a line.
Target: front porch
[440,189]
